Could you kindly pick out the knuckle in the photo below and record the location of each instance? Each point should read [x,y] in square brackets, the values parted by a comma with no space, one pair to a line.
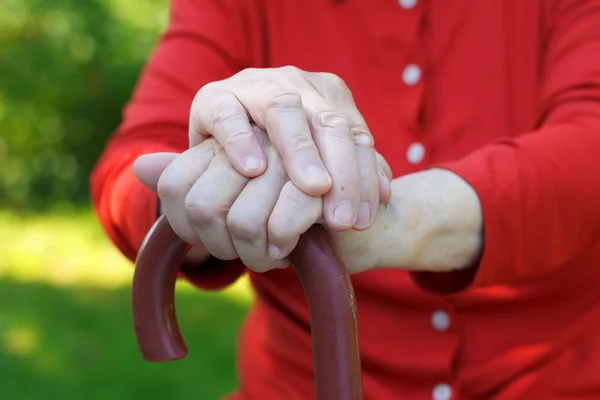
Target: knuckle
[201,210]
[233,137]
[300,144]
[335,80]
[281,97]
[225,113]
[243,225]
[363,138]
[230,122]
[246,72]
[332,119]
[205,96]
[200,102]
[167,189]
[203,92]
[290,69]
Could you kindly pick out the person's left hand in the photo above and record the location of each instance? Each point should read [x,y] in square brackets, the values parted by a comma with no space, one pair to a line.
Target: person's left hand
[313,123]
[258,220]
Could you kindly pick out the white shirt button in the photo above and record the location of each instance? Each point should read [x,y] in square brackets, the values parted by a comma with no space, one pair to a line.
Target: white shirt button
[442,391]
[440,320]
[411,74]
[415,153]
[407,4]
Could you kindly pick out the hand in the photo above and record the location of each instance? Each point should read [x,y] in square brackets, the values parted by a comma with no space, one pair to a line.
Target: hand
[259,220]
[313,123]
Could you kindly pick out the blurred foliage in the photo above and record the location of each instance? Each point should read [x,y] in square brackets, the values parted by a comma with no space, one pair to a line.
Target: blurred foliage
[67,67]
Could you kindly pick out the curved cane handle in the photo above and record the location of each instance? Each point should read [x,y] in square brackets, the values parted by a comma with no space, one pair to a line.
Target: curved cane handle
[328,290]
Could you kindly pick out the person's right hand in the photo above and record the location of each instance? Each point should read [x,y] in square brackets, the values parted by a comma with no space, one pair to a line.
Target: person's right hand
[312,122]
[259,220]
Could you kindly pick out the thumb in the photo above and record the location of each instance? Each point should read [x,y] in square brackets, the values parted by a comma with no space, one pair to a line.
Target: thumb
[149,167]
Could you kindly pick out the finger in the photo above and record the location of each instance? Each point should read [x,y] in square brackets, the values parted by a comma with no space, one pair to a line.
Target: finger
[280,111]
[334,90]
[218,112]
[364,145]
[175,182]
[148,168]
[294,213]
[332,135]
[369,177]
[385,188]
[385,177]
[248,217]
[208,202]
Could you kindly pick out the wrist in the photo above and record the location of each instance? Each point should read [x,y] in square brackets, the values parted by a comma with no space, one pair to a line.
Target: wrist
[434,223]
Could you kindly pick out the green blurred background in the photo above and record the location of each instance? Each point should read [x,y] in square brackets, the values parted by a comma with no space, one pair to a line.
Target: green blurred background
[67,67]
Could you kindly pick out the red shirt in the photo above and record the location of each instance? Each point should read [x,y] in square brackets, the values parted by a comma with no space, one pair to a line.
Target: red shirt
[506,93]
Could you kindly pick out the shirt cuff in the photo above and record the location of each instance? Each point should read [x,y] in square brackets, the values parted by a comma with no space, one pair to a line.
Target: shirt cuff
[133,209]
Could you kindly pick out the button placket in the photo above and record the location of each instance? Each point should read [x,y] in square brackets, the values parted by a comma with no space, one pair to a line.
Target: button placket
[440,320]
[411,74]
[407,4]
[415,153]
[412,77]
[442,391]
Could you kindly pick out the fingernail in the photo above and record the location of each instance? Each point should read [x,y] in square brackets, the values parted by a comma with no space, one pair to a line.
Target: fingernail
[316,174]
[343,214]
[364,215]
[274,252]
[252,163]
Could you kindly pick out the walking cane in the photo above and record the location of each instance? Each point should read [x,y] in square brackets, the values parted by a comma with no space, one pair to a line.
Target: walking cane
[326,284]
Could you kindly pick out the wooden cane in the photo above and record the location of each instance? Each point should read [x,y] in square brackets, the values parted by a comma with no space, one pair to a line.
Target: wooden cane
[326,284]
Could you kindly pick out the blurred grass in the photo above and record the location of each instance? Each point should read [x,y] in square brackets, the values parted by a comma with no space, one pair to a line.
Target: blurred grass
[65,322]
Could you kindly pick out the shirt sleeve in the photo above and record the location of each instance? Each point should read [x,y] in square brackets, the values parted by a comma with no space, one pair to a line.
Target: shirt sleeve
[206,40]
[540,192]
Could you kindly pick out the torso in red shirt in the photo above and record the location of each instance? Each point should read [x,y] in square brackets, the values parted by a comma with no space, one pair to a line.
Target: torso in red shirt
[435,80]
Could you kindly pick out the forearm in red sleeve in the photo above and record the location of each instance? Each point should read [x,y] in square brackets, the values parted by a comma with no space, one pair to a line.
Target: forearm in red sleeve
[540,196]
[207,40]
[540,192]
